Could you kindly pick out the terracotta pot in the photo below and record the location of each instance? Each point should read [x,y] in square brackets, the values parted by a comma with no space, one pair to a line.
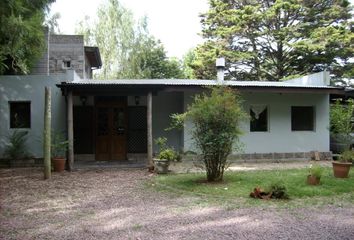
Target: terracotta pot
[312,180]
[59,164]
[341,169]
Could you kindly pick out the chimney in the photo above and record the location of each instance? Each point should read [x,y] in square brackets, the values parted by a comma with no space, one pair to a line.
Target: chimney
[220,67]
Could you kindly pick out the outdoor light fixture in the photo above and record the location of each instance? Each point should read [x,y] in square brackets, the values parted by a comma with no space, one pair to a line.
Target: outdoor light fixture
[83,100]
[137,100]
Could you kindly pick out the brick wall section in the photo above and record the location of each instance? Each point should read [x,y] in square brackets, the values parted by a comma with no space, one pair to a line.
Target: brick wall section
[66,48]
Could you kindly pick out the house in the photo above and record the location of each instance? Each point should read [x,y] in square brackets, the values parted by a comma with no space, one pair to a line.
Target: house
[117,120]
[66,58]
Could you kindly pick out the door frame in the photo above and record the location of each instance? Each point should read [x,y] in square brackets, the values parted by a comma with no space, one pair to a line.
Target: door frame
[110,102]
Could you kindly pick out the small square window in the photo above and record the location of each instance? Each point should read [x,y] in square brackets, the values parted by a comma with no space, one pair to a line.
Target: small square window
[66,64]
[259,118]
[303,118]
[20,114]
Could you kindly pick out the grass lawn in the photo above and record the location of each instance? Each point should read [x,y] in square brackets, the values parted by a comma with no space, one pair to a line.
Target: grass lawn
[238,185]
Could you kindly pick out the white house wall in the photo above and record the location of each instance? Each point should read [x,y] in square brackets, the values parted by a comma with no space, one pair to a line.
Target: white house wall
[279,138]
[31,88]
[163,105]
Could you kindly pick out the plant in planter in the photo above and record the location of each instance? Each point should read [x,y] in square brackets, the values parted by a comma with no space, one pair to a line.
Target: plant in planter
[341,125]
[341,168]
[315,173]
[165,155]
[59,147]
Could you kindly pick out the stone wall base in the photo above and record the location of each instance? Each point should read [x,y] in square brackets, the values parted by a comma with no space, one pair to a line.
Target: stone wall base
[15,163]
[131,157]
[271,157]
[137,157]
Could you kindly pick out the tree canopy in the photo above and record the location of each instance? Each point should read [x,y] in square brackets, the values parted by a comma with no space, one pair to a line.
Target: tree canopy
[275,39]
[127,49]
[21,34]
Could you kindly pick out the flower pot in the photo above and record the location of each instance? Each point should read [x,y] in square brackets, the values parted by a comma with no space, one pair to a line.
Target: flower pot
[341,169]
[161,165]
[312,180]
[59,164]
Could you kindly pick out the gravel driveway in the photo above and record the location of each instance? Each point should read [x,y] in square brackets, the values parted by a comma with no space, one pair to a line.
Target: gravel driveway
[114,204]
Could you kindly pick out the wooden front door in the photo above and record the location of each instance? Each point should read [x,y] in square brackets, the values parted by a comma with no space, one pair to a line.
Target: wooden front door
[111,131]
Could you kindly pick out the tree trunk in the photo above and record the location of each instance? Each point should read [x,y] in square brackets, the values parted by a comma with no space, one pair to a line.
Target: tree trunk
[47,133]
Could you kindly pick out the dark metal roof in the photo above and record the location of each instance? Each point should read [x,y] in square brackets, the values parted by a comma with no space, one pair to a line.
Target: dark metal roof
[192,82]
[142,86]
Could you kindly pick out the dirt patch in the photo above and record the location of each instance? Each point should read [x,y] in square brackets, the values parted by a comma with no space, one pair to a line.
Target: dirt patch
[115,204]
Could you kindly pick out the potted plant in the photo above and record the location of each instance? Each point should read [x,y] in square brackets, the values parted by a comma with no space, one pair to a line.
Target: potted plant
[315,173]
[59,147]
[165,155]
[341,167]
[341,126]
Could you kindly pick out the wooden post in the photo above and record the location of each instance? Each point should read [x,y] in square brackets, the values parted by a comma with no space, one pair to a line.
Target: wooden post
[47,133]
[149,130]
[70,130]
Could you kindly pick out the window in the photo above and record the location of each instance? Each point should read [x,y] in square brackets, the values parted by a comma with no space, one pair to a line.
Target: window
[259,118]
[303,118]
[20,114]
[66,64]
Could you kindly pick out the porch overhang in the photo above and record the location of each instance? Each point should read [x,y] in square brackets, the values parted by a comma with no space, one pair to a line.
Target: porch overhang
[144,86]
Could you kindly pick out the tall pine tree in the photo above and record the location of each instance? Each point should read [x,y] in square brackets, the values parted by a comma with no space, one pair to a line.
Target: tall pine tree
[276,39]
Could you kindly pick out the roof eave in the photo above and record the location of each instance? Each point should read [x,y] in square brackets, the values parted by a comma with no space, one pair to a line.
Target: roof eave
[92,88]
[96,53]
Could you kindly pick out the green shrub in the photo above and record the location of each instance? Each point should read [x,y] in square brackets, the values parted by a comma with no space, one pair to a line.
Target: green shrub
[278,191]
[161,143]
[347,156]
[168,154]
[16,147]
[341,114]
[216,116]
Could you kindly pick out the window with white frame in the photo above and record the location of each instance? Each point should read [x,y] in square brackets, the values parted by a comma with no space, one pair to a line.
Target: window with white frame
[259,118]
[66,64]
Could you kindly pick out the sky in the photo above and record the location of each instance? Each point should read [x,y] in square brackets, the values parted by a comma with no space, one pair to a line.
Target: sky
[175,22]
